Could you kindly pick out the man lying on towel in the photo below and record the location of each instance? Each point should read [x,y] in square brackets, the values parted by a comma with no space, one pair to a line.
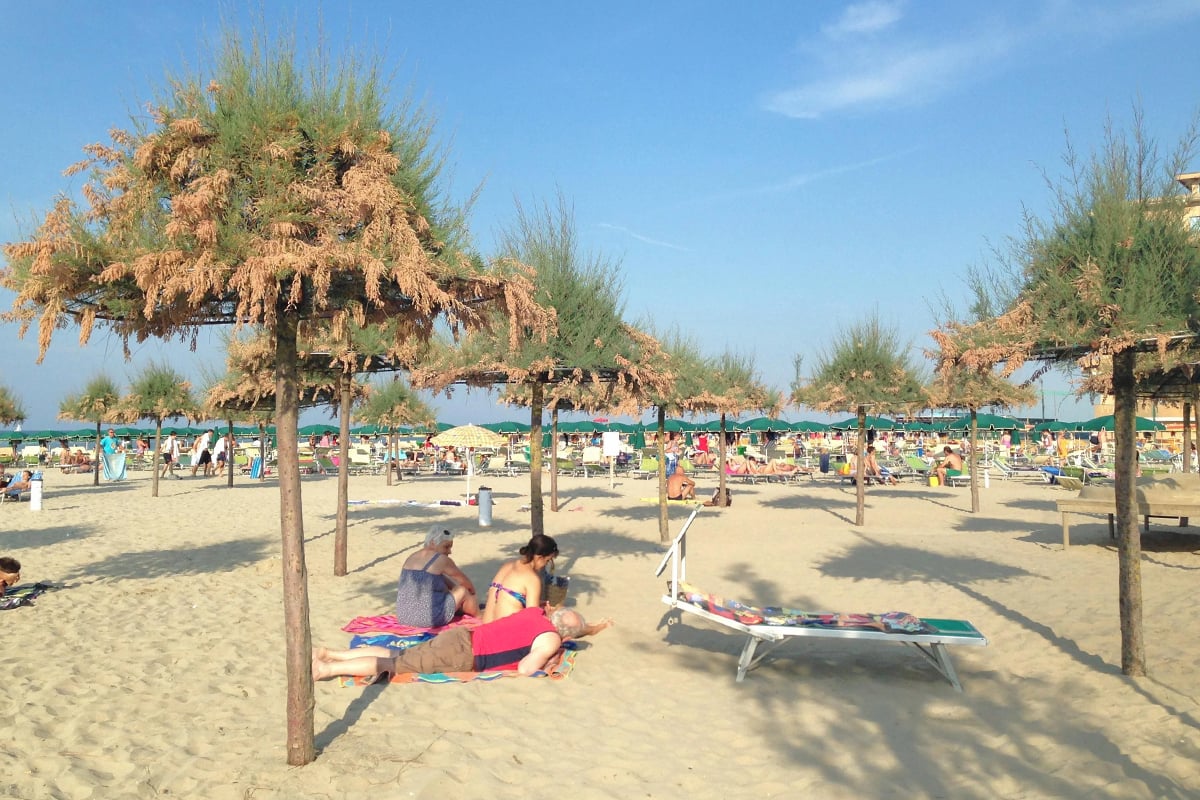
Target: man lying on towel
[524,641]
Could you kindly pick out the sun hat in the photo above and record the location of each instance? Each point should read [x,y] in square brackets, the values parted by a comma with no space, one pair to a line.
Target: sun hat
[438,534]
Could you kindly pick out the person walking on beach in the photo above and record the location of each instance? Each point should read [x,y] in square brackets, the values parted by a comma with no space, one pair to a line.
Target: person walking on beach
[201,455]
[221,453]
[110,444]
[170,456]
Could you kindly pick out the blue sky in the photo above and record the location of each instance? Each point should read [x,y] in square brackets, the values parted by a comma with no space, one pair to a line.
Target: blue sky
[766,173]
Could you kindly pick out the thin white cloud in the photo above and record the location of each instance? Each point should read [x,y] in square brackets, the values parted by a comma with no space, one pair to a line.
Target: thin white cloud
[870,17]
[902,75]
[805,178]
[802,179]
[646,239]
[873,56]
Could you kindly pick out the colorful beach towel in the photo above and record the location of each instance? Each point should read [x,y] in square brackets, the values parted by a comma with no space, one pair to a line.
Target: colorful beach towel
[23,595]
[558,668]
[113,465]
[889,622]
[389,624]
[394,641]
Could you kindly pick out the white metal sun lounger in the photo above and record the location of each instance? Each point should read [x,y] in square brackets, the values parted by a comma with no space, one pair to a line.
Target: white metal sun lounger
[930,645]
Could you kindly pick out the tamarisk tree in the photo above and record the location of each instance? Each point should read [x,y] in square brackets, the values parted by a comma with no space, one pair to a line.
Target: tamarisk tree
[274,191]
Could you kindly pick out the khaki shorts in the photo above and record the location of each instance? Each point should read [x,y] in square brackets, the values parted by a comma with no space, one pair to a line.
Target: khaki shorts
[447,652]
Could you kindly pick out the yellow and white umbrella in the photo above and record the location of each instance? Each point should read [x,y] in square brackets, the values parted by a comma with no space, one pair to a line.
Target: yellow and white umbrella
[469,437]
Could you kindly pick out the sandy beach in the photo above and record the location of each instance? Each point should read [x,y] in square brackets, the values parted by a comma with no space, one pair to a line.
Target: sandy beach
[157,669]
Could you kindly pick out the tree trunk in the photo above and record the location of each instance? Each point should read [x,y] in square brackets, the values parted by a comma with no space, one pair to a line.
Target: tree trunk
[554,458]
[973,461]
[390,462]
[229,453]
[1187,437]
[537,523]
[1129,544]
[1196,413]
[96,468]
[298,639]
[157,456]
[722,493]
[664,521]
[263,449]
[860,512]
[340,535]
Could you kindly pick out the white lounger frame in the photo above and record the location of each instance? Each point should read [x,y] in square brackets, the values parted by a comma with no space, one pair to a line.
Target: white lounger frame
[931,646]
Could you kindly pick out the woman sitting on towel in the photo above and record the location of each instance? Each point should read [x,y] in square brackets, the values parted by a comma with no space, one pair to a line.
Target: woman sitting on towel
[432,588]
[518,584]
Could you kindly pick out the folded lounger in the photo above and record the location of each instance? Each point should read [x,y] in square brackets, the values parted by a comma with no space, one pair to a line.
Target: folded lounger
[931,637]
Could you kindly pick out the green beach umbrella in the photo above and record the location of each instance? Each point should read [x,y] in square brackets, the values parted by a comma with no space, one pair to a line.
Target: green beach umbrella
[1106,422]
[986,422]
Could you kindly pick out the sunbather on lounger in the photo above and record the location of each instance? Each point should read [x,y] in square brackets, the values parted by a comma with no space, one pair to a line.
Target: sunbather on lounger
[872,470]
[19,484]
[756,467]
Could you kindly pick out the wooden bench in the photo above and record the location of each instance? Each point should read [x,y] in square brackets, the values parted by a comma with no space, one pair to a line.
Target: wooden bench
[1174,496]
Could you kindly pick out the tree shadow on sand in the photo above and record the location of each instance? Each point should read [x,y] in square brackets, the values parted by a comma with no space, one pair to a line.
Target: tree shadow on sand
[840,508]
[180,561]
[52,493]
[15,541]
[867,698]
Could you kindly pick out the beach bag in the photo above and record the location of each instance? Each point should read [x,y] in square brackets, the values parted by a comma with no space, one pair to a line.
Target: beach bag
[715,501]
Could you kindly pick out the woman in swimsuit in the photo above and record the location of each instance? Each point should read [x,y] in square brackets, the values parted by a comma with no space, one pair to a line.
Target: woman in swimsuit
[518,584]
[432,588]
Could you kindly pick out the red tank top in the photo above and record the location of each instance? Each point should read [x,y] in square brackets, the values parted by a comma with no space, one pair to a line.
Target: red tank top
[502,644]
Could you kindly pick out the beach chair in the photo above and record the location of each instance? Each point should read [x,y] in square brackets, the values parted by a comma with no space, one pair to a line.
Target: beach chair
[1009,471]
[591,462]
[1069,482]
[495,464]
[930,637]
[920,468]
[959,480]
[647,469]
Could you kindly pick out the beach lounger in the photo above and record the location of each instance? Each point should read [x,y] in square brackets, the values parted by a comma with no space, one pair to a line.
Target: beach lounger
[959,480]
[647,469]
[1009,471]
[930,637]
